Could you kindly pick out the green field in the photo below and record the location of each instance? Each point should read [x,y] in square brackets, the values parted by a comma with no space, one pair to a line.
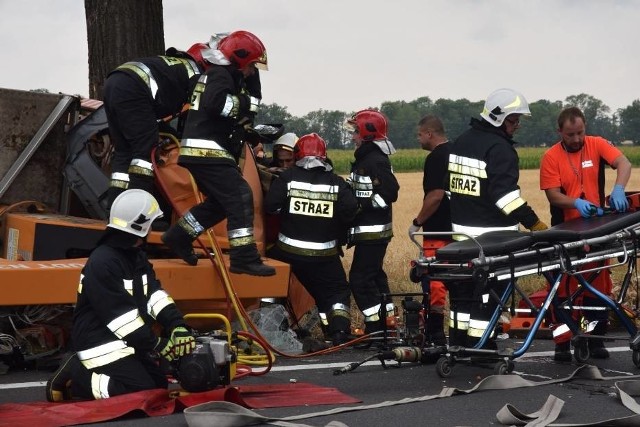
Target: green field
[412,160]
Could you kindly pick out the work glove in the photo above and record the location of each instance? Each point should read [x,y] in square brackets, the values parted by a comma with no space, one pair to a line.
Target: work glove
[183,341]
[414,228]
[618,200]
[164,347]
[539,226]
[585,207]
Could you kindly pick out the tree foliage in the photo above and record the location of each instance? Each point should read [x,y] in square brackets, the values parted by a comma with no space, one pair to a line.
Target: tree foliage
[539,129]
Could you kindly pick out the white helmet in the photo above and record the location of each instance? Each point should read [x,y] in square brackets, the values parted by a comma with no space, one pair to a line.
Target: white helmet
[286,141]
[501,103]
[133,211]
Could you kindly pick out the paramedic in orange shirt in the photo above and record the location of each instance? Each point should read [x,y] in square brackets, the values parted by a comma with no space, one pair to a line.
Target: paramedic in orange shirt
[572,176]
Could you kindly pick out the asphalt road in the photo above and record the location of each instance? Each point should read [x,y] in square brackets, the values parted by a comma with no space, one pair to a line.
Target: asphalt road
[585,400]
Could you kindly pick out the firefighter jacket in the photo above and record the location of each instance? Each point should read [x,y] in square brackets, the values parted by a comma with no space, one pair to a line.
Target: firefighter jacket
[170,81]
[315,207]
[118,300]
[483,178]
[376,188]
[221,106]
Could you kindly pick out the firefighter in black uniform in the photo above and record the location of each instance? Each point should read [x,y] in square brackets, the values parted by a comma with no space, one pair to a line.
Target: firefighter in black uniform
[224,102]
[485,196]
[137,96]
[118,300]
[315,206]
[375,188]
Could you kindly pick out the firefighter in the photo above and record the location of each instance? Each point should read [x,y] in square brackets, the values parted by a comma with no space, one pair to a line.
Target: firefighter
[283,153]
[572,176]
[118,300]
[485,196]
[434,215]
[375,188]
[224,102]
[137,96]
[315,206]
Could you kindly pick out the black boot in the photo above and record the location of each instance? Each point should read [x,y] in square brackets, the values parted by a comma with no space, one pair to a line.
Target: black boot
[246,260]
[253,269]
[180,242]
[562,352]
[58,387]
[435,329]
[597,349]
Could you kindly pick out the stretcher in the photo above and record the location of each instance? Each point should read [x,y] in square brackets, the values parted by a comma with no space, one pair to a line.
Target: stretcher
[578,248]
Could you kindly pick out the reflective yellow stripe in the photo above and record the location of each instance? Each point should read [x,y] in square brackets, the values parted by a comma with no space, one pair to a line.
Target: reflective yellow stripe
[119,180]
[157,301]
[203,148]
[371,232]
[312,191]
[104,354]
[231,106]
[80,283]
[510,202]
[123,325]
[477,231]
[462,318]
[467,166]
[144,73]
[140,167]
[240,232]
[307,248]
[128,286]
[372,314]
[477,328]
[100,385]
[323,319]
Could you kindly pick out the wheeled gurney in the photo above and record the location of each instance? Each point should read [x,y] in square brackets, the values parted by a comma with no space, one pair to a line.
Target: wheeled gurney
[578,248]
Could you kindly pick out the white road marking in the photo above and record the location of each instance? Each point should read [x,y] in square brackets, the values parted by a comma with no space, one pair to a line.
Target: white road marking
[523,358]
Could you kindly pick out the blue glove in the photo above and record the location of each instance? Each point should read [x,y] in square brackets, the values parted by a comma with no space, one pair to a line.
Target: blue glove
[618,200]
[599,212]
[586,208]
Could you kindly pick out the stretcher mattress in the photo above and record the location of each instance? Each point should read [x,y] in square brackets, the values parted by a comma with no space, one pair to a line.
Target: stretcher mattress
[505,242]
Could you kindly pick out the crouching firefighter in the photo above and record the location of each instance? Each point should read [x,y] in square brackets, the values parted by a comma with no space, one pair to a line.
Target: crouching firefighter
[118,300]
[315,206]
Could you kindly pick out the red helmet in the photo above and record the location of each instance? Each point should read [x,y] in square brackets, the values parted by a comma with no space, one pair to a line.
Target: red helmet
[243,49]
[370,124]
[310,145]
[195,52]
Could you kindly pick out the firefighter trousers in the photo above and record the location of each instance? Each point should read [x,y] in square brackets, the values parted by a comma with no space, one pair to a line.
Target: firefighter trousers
[229,196]
[326,281]
[126,375]
[366,276]
[133,127]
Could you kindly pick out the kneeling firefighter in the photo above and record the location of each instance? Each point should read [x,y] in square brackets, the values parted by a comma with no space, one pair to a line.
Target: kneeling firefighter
[315,206]
[118,300]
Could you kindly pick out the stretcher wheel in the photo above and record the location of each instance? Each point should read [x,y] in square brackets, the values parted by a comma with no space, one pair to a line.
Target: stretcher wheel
[581,351]
[635,356]
[503,367]
[443,367]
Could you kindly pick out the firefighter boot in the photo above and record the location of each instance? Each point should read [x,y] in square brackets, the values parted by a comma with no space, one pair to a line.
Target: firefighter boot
[246,260]
[562,352]
[374,327]
[596,345]
[339,324]
[58,387]
[435,329]
[180,242]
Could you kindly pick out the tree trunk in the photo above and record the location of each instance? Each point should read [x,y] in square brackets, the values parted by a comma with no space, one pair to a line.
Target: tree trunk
[119,31]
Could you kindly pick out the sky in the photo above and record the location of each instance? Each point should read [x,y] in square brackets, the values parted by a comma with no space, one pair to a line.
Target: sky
[353,54]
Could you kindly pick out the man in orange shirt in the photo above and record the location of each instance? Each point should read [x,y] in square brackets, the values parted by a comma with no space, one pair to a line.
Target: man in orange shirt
[572,176]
